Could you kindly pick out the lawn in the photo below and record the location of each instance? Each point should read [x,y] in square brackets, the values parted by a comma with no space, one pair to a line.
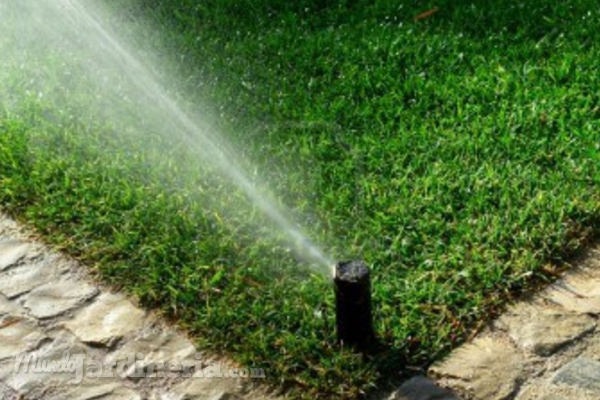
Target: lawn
[457,154]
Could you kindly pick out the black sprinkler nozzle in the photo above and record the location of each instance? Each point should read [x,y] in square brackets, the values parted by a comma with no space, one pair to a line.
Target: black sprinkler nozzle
[353,305]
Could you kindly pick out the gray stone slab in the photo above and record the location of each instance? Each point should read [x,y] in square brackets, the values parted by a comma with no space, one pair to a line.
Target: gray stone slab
[422,388]
[486,369]
[94,389]
[7,393]
[17,281]
[18,335]
[581,373]
[11,308]
[207,389]
[11,252]
[157,348]
[55,298]
[109,318]
[543,330]
[25,374]
[578,292]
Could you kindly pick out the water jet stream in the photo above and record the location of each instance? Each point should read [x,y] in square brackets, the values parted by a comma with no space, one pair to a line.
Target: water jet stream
[198,136]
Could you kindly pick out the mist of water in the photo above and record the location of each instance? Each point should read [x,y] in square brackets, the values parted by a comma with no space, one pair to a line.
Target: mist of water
[86,22]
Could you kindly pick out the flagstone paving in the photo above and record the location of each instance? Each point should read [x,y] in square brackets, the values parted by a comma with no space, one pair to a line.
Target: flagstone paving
[544,348]
[51,312]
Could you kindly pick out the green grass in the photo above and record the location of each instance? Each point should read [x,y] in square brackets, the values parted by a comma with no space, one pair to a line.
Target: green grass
[458,155]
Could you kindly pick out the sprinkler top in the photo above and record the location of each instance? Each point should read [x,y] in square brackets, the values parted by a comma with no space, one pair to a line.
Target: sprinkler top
[351,271]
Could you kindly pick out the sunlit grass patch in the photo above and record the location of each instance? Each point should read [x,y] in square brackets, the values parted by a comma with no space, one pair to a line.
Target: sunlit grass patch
[458,155]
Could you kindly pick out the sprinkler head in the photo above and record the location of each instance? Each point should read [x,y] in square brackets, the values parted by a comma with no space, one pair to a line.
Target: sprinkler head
[353,305]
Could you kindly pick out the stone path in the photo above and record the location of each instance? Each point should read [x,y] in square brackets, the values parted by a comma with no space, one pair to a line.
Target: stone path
[55,321]
[545,348]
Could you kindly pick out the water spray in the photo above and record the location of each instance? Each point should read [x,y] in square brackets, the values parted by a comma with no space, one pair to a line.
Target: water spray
[354,321]
[196,133]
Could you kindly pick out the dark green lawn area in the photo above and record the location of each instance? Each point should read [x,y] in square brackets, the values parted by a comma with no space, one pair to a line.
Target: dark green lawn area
[457,154]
